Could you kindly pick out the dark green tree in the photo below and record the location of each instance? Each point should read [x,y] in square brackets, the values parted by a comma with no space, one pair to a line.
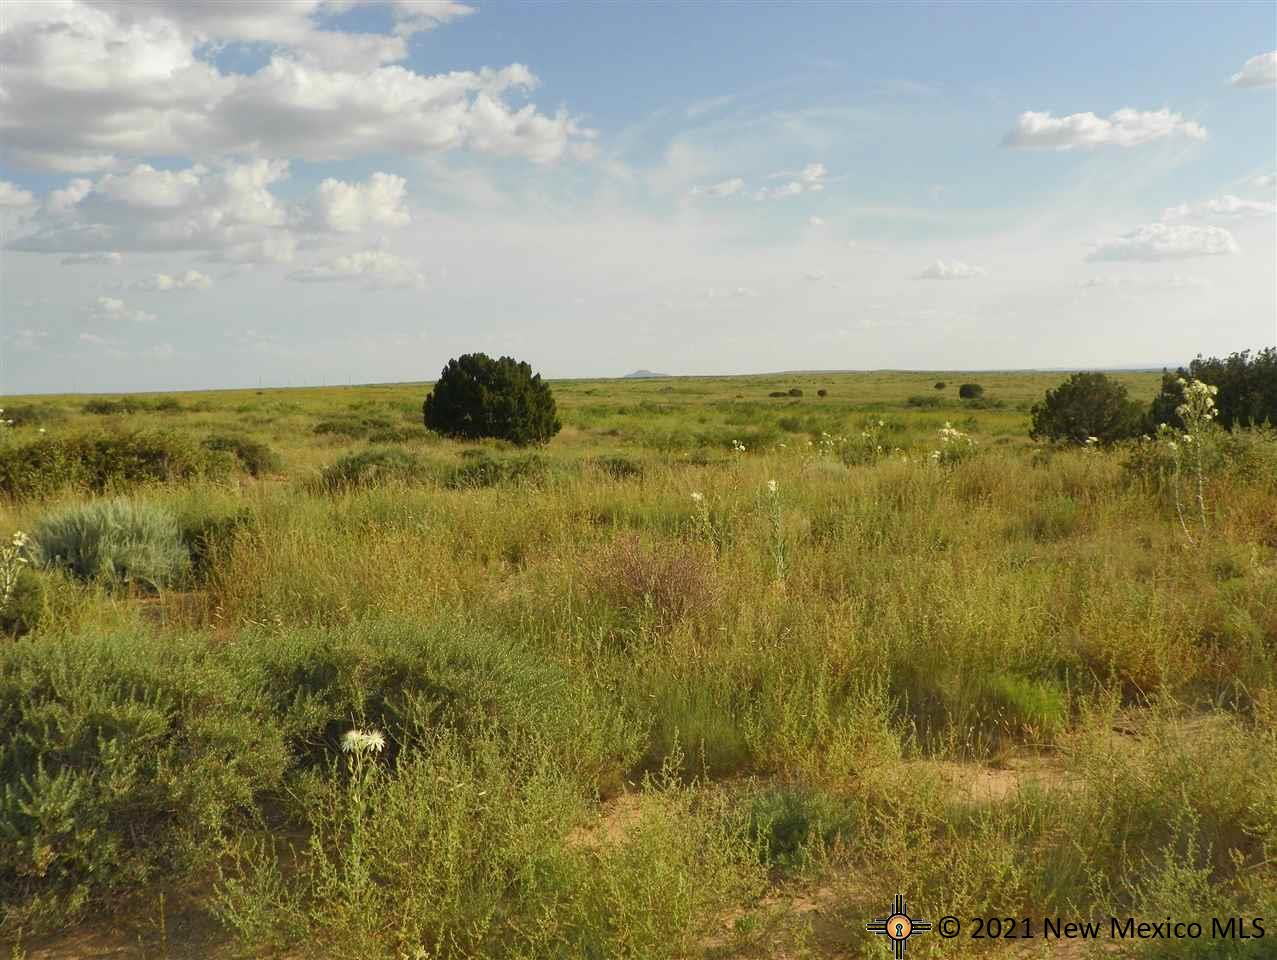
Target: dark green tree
[1087,405]
[970,391]
[477,397]
[1247,389]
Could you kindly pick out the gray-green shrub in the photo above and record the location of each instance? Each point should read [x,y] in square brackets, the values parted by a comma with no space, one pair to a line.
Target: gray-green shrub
[116,541]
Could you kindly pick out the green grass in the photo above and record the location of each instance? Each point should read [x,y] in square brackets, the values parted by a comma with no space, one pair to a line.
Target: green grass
[623,720]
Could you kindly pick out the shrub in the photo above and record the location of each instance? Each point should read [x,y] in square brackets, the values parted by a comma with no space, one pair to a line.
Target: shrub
[209,531]
[351,426]
[394,435]
[618,467]
[940,384]
[118,541]
[822,392]
[1247,389]
[969,391]
[33,414]
[132,405]
[790,424]
[28,604]
[787,825]
[795,391]
[778,393]
[1084,406]
[106,462]
[371,467]
[487,471]
[478,397]
[921,400]
[254,456]
[125,758]
[675,581]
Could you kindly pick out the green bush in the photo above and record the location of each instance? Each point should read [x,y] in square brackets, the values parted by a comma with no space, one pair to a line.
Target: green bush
[969,391]
[105,462]
[618,467]
[371,467]
[1084,406]
[125,758]
[920,400]
[254,456]
[822,392]
[778,393]
[1247,389]
[788,826]
[33,414]
[477,397]
[28,605]
[132,405]
[355,427]
[209,530]
[795,391]
[117,541]
[790,424]
[940,385]
[487,471]
[394,435]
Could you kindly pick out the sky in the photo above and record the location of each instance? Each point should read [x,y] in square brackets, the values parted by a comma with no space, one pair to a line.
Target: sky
[232,193]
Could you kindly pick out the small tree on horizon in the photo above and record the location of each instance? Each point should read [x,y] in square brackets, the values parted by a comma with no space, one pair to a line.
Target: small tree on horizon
[476,397]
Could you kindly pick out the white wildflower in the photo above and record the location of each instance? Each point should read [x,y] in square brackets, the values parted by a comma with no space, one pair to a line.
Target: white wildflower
[772,486]
[359,741]
[698,497]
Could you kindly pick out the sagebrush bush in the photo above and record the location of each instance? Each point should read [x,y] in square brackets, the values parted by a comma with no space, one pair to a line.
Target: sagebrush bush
[257,458]
[105,462]
[115,541]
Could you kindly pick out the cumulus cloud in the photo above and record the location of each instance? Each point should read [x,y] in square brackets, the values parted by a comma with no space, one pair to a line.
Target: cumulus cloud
[11,195]
[1258,71]
[350,207]
[1160,241]
[108,258]
[112,310]
[815,221]
[718,293]
[1227,207]
[162,282]
[725,188]
[1085,131]
[227,209]
[808,180]
[89,85]
[376,268]
[952,270]
[1265,181]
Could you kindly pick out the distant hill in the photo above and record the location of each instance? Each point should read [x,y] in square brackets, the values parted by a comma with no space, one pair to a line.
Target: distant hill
[643,375]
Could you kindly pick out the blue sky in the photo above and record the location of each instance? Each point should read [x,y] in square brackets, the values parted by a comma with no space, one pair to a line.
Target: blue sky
[200,194]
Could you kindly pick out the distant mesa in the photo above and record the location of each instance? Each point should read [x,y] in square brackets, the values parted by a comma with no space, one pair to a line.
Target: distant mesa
[643,375]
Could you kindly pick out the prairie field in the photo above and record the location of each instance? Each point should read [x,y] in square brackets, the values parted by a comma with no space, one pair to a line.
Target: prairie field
[712,674]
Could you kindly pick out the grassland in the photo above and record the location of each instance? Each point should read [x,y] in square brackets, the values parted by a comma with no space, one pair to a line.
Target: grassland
[647,694]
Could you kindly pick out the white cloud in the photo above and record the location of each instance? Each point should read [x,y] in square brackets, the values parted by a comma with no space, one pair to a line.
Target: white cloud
[718,190]
[1161,241]
[1265,181]
[376,268]
[110,258]
[952,270]
[89,85]
[198,208]
[808,180]
[815,221]
[112,310]
[350,207]
[1258,71]
[11,195]
[719,293]
[1124,128]
[161,282]
[1225,207]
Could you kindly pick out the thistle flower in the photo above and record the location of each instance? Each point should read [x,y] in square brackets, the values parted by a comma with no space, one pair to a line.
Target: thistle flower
[359,741]
[698,497]
[772,486]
